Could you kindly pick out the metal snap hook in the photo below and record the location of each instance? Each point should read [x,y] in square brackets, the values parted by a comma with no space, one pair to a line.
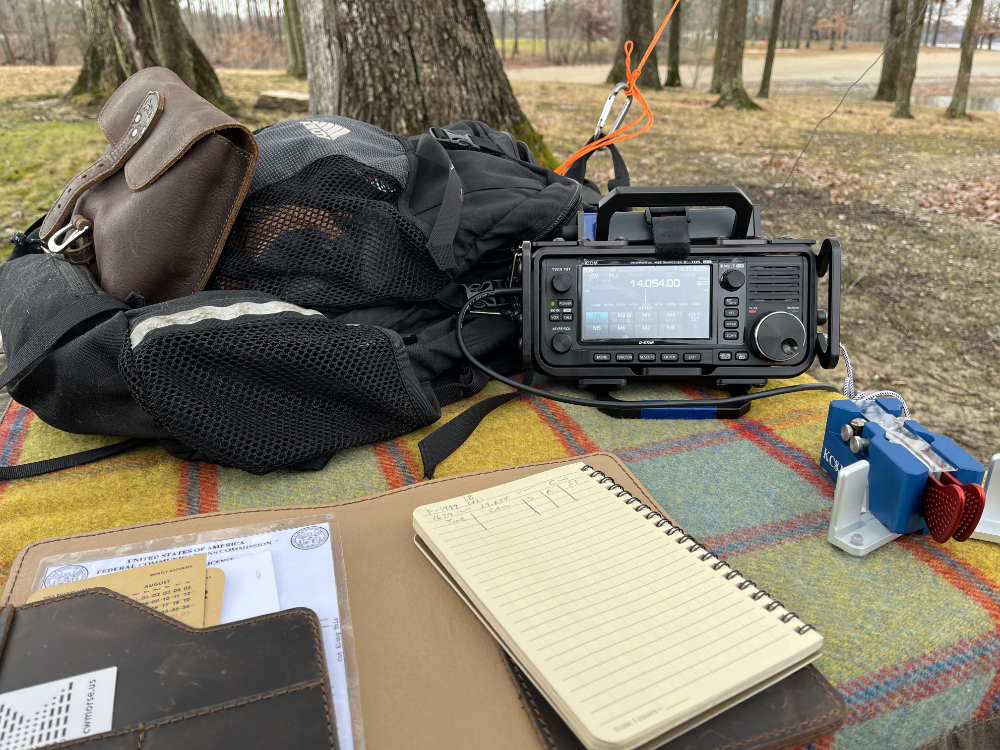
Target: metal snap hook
[55,247]
[599,131]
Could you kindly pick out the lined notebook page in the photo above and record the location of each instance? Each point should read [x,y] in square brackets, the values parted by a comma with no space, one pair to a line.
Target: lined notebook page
[627,632]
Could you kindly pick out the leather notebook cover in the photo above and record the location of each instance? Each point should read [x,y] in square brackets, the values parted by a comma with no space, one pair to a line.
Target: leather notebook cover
[431,675]
[256,683]
[800,708]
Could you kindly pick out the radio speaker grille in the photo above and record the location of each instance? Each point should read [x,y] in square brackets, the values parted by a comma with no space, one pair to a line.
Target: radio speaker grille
[774,283]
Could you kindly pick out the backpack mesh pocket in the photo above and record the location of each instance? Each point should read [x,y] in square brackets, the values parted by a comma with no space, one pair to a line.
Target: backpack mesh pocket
[264,392]
[329,236]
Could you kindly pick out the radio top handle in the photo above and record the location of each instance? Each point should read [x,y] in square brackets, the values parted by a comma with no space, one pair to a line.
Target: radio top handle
[730,196]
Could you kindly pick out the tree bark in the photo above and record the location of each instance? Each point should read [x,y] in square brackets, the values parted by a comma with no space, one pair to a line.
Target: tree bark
[637,25]
[937,25]
[102,71]
[731,91]
[724,6]
[409,66]
[960,97]
[123,39]
[908,64]
[772,39]
[892,58]
[296,67]
[674,54]
[135,43]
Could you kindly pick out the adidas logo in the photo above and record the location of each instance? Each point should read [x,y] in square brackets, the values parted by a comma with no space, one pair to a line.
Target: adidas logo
[327,130]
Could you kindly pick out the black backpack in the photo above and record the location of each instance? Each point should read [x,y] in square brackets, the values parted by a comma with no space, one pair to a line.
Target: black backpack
[329,321]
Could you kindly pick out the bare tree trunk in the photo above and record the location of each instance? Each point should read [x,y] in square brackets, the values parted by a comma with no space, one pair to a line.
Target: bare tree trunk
[960,97]
[102,70]
[724,8]
[547,8]
[731,42]
[908,65]
[674,54]
[637,25]
[503,30]
[772,39]
[408,66]
[937,25]
[145,33]
[893,57]
[50,48]
[850,14]
[296,67]
[131,30]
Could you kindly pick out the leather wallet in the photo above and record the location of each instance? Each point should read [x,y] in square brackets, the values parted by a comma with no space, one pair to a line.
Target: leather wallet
[430,674]
[258,683]
[800,708]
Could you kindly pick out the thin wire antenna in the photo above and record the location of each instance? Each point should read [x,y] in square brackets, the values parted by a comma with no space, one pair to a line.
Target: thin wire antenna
[842,100]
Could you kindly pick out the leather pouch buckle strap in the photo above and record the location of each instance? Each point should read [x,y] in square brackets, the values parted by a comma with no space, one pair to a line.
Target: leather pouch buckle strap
[110,162]
[64,238]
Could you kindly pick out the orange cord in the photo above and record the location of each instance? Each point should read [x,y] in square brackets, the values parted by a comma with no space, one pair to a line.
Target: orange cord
[622,133]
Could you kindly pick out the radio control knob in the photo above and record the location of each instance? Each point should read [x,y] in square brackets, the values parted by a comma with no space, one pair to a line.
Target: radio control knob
[778,336]
[562,282]
[733,280]
[561,343]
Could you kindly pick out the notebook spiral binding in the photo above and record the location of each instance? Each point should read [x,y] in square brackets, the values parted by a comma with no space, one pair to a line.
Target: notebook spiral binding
[743,585]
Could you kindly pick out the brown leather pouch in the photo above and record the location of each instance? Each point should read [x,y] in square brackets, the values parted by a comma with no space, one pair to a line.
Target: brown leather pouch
[152,214]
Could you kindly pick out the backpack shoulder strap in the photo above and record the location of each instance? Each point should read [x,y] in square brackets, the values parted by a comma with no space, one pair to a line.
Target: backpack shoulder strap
[448,438]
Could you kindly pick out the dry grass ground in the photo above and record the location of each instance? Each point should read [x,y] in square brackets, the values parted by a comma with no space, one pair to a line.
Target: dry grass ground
[920,310]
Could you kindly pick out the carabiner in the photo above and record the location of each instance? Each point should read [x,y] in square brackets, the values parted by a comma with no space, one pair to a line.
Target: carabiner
[607,110]
[54,247]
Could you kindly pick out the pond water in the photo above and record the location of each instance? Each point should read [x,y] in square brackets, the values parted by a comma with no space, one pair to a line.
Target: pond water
[978,103]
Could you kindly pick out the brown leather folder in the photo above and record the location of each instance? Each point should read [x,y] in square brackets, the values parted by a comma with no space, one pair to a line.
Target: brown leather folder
[431,675]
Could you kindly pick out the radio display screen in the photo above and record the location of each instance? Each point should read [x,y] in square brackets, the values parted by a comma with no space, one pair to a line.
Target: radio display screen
[638,302]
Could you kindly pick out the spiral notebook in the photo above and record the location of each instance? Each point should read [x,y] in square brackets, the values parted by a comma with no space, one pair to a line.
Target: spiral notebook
[630,628]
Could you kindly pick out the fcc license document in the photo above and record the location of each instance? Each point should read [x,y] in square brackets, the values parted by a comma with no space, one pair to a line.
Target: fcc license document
[265,573]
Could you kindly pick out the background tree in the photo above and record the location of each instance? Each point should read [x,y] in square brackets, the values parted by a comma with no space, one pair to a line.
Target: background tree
[731,41]
[908,62]
[960,96]
[674,52]
[102,71]
[724,8]
[409,66]
[594,21]
[772,40]
[893,56]
[137,34]
[296,67]
[637,25]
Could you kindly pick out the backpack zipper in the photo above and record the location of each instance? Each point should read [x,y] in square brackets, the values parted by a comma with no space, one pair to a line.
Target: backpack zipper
[560,221]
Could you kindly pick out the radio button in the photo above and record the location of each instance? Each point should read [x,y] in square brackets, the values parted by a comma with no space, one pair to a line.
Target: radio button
[731,324]
[742,356]
[623,357]
[725,356]
[647,357]
[731,335]
[562,343]
[730,312]
[567,317]
[554,317]
[669,357]
[604,357]
[565,303]
[732,301]
[692,357]
[562,282]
